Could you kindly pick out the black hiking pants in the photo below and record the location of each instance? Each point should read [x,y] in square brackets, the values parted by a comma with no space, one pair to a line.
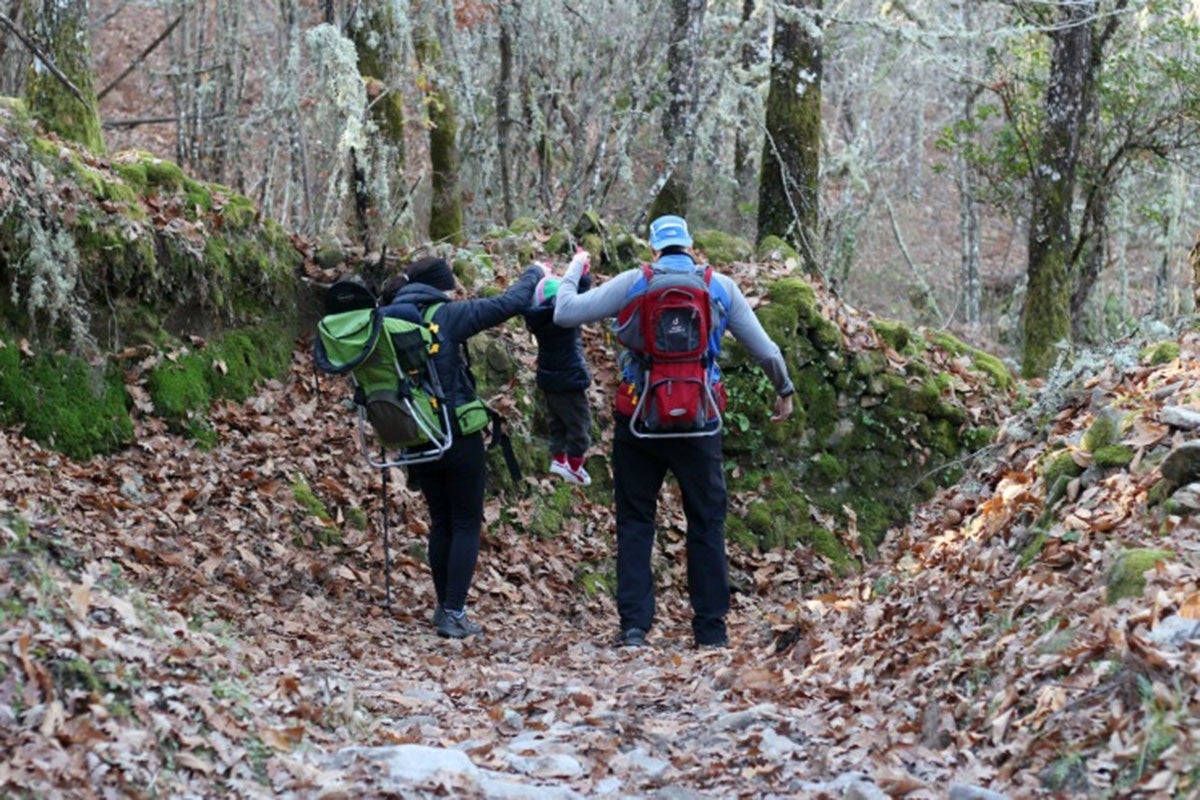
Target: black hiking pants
[570,420]
[453,487]
[639,468]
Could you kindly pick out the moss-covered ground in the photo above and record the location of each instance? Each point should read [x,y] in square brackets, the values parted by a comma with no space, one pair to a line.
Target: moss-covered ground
[101,257]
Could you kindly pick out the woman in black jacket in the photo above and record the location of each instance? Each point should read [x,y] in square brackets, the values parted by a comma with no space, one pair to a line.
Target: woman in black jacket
[453,485]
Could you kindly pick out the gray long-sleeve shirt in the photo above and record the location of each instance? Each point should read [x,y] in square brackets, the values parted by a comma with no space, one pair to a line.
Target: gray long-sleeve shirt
[572,308]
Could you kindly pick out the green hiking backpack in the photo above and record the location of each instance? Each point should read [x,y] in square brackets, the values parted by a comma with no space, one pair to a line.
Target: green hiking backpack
[397,392]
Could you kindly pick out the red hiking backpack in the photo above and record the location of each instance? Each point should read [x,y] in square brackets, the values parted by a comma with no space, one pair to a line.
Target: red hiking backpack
[667,327]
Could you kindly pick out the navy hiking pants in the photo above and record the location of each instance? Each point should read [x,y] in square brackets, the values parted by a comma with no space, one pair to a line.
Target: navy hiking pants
[639,468]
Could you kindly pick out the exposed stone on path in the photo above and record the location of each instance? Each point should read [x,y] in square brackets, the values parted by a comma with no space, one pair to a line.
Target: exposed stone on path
[1172,632]
[1182,465]
[420,771]
[1188,496]
[960,791]
[1183,417]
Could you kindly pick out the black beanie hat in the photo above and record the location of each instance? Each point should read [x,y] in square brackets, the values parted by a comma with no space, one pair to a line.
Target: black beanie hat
[431,271]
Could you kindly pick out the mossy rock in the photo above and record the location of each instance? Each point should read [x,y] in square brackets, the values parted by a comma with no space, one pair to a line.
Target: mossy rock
[897,335]
[64,403]
[1126,577]
[773,248]
[798,294]
[589,223]
[180,388]
[867,364]
[828,469]
[163,174]
[330,252]
[722,248]
[474,269]
[523,225]
[551,512]
[1113,455]
[781,322]
[980,361]
[327,533]
[597,578]
[1059,466]
[559,243]
[627,251]
[1105,430]
[1161,353]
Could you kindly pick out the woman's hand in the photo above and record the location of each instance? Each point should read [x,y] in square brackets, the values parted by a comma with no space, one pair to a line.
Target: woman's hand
[584,257]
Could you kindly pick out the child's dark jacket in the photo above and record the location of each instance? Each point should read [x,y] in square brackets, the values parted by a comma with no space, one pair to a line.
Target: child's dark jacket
[561,366]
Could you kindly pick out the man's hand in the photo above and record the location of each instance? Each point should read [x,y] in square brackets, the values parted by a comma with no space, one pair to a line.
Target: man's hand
[783,408]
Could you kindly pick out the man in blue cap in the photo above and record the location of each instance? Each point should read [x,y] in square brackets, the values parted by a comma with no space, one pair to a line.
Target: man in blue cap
[640,464]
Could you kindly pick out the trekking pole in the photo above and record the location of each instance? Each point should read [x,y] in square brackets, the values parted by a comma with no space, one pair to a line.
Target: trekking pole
[387,555]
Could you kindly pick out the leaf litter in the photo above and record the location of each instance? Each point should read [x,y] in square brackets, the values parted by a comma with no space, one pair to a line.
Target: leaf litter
[176,623]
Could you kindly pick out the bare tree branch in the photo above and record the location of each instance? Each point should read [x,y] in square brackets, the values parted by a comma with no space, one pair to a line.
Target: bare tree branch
[140,58]
[45,59]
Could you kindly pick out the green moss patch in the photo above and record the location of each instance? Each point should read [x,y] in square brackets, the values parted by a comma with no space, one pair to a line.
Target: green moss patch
[184,386]
[722,248]
[1161,353]
[980,361]
[1113,455]
[1126,577]
[64,403]
[1105,430]
[897,335]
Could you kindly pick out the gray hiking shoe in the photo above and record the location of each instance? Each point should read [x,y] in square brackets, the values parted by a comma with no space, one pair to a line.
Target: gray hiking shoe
[631,637]
[457,625]
[439,616]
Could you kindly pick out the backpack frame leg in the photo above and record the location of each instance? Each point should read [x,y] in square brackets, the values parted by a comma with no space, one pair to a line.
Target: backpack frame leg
[387,553]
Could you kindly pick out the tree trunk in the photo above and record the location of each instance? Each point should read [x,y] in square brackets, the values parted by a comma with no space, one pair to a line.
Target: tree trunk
[379,172]
[743,164]
[788,204]
[376,40]
[445,211]
[1194,260]
[679,121]
[1046,316]
[504,121]
[62,28]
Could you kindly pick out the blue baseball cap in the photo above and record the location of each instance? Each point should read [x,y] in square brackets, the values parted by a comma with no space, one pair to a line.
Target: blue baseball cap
[667,231]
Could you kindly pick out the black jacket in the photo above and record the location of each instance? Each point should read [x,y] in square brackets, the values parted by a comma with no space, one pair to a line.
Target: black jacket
[560,361]
[458,321]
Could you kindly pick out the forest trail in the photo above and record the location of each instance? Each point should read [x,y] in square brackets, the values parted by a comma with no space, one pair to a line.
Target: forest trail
[171,629]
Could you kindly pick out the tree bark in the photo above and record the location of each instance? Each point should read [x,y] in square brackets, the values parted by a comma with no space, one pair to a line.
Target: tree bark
[1046,316]
[679,121]
[62,25]
[504,123]
[788,198]
[743,164]
[445,211]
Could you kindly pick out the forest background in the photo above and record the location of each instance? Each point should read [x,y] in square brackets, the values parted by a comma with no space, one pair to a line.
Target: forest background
[936,121]
[176,591]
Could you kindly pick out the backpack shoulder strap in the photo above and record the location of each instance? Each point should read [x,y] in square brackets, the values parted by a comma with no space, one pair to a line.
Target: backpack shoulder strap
[430,310]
